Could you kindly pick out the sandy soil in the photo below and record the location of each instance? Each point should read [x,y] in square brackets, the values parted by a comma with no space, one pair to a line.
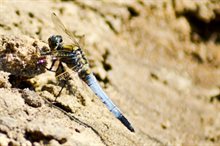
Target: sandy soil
[157,60]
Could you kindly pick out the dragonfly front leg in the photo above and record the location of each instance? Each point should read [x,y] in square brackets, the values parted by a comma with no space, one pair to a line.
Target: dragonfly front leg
[42,61]
[52,65]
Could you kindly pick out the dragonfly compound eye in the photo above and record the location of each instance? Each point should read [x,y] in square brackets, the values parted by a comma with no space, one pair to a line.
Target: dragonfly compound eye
[54,41]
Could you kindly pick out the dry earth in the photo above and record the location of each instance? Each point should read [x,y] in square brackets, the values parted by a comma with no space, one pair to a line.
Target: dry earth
[158,60]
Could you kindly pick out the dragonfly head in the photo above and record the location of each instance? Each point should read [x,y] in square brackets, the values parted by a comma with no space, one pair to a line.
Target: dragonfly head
[55,41]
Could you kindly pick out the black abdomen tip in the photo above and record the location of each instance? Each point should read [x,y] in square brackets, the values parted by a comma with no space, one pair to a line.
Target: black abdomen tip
[126,123]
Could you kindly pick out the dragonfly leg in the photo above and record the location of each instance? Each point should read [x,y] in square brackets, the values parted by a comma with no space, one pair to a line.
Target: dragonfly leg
[50,69]
[61,78]
[64,82]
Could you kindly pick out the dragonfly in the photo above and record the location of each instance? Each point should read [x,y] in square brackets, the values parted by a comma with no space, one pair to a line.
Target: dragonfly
[74,57]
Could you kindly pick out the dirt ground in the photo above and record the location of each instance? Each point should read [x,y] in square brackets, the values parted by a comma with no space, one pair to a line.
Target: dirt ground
[159,61]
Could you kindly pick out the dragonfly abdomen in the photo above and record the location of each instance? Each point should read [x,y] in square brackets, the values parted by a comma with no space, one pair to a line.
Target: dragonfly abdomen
[94,85]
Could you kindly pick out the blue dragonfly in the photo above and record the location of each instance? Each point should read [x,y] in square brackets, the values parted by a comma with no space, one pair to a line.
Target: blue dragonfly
[74,57]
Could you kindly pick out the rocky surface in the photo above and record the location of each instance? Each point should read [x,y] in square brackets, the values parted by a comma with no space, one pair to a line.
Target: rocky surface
[157,60]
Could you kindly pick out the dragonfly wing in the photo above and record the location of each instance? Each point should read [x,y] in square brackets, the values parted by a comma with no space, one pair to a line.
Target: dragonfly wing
[61,28]
[71,35]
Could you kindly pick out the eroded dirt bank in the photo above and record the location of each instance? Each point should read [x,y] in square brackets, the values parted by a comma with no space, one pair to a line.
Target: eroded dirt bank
[157,60]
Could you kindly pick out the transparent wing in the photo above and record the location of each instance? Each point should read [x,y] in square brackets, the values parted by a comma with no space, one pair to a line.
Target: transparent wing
[60,27]
[71,35]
